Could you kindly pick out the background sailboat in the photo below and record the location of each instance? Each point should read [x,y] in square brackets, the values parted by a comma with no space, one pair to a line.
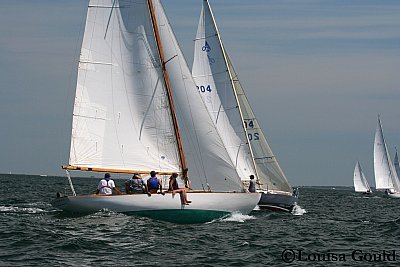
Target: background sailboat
[385,173]
[234,118]
[360,182]
[137,110]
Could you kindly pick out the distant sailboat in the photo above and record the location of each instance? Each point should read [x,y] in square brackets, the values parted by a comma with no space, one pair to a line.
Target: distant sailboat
[234,118]
[385,173]
[360,182]
[137,110]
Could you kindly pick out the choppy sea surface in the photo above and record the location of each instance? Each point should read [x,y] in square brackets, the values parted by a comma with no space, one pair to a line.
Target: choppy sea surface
[330,227]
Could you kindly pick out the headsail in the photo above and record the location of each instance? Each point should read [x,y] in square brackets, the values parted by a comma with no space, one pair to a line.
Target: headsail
[206,156]
[360,182]
[270,172]
[213,67]
[385,173]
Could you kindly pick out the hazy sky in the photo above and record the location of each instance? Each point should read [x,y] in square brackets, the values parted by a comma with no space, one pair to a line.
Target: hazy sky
[317,74]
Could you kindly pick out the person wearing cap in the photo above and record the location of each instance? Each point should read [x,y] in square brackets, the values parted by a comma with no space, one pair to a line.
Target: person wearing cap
[136,185]
[107,186]
[154,183]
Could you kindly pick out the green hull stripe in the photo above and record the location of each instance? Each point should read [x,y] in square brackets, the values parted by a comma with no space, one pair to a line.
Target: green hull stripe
[180,216]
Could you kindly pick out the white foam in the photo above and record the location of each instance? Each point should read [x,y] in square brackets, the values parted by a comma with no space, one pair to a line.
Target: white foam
[13,209]
[297,210]
[238,217]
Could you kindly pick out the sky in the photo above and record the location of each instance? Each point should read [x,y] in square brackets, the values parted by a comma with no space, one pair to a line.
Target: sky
[317,74]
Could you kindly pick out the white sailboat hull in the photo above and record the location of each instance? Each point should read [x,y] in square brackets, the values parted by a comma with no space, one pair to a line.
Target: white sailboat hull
[394,195]
[205,206]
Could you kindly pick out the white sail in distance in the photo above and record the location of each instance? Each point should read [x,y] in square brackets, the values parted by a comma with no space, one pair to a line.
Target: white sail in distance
[213,66]
[385,173]
[360,182]
[216,88]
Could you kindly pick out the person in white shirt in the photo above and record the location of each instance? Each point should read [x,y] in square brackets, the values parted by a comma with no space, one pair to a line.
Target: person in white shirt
[107,186]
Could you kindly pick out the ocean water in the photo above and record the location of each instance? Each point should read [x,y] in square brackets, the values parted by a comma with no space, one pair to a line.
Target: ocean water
[330,227]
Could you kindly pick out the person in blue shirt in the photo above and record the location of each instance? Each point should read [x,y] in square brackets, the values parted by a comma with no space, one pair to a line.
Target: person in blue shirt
[154,183]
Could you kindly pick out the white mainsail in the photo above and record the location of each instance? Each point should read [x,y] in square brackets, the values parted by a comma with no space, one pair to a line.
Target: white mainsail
[226,100]
[385,173]
[215,86]
[360,182]
[121,117]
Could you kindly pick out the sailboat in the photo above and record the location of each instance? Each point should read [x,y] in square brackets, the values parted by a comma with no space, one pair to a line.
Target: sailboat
[385,173]
[360,182]
[137,109]
[234,118]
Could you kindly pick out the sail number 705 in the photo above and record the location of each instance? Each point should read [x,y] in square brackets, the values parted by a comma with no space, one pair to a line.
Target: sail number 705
[204,89]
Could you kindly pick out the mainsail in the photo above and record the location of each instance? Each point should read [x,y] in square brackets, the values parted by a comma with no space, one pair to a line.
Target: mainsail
[385,173]
[225,98]
[122,115]
[215,86]
[360,182]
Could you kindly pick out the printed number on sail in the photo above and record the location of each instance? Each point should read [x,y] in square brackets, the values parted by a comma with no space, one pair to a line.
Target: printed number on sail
[204,89]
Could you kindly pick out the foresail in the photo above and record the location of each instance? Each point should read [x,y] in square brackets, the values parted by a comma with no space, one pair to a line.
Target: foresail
[382,169]
[206,157]
[269,172]
[121,117]
[214,84]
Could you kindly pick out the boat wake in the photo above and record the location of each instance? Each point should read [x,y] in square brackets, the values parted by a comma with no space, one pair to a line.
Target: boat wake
[297,210]
[20,210]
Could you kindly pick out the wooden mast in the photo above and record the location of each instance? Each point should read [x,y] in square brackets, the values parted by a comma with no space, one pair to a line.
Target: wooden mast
[167,84]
